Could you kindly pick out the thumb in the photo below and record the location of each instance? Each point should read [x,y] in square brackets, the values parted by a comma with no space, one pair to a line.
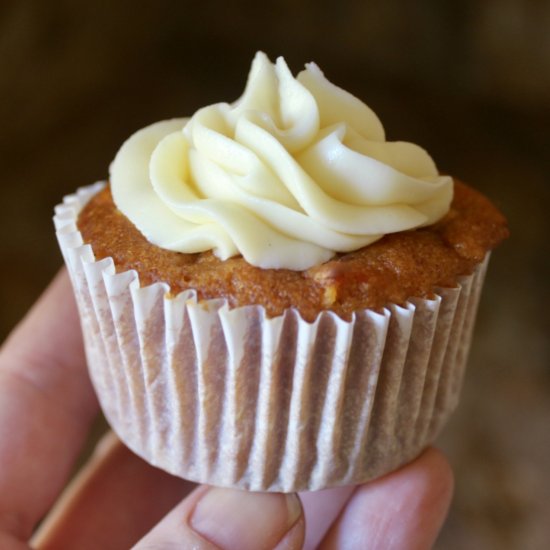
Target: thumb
[215,518]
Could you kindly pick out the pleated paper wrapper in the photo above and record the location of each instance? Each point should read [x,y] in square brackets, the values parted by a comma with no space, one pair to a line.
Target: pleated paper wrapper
[231,397]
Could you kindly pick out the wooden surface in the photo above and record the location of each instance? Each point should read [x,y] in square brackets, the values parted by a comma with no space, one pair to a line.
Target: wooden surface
[470,84]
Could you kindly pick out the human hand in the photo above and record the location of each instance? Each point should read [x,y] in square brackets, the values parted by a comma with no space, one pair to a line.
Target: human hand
[47,406]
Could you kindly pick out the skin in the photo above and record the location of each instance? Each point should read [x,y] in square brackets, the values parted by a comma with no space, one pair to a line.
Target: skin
[47,406]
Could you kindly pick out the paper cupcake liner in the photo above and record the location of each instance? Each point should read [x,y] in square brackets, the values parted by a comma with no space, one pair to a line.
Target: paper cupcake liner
[231,397]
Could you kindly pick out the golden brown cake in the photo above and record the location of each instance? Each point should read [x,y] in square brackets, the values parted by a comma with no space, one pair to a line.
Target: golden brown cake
[392,270]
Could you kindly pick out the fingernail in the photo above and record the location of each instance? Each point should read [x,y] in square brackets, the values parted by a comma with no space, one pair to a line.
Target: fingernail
[231,518]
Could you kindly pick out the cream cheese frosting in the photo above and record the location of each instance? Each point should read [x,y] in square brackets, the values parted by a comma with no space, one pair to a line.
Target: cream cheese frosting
[291,173]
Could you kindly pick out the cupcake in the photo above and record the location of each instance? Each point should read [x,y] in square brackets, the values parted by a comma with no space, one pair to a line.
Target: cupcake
[273,296]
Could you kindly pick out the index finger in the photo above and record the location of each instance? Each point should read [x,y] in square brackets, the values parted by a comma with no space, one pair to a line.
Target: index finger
[403,509]
[46,407]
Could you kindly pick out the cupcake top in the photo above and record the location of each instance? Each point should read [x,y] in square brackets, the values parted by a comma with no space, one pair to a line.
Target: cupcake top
[293,173]
[288,198]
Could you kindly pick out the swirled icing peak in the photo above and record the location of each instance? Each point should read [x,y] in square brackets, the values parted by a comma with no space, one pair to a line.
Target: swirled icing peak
[294,171]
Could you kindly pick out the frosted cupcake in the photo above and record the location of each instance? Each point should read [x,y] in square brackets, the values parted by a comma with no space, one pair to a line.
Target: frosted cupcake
[272,295]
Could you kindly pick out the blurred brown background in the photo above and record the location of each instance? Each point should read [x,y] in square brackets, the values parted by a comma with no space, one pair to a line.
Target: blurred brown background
[468,80]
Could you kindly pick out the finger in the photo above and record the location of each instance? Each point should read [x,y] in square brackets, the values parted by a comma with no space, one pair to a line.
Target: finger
[404,509]
[113,502]
[213,518]
[46,407]
[321,508]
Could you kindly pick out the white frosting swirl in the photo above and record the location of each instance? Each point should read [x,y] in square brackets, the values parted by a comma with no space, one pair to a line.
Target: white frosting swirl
[294,171]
